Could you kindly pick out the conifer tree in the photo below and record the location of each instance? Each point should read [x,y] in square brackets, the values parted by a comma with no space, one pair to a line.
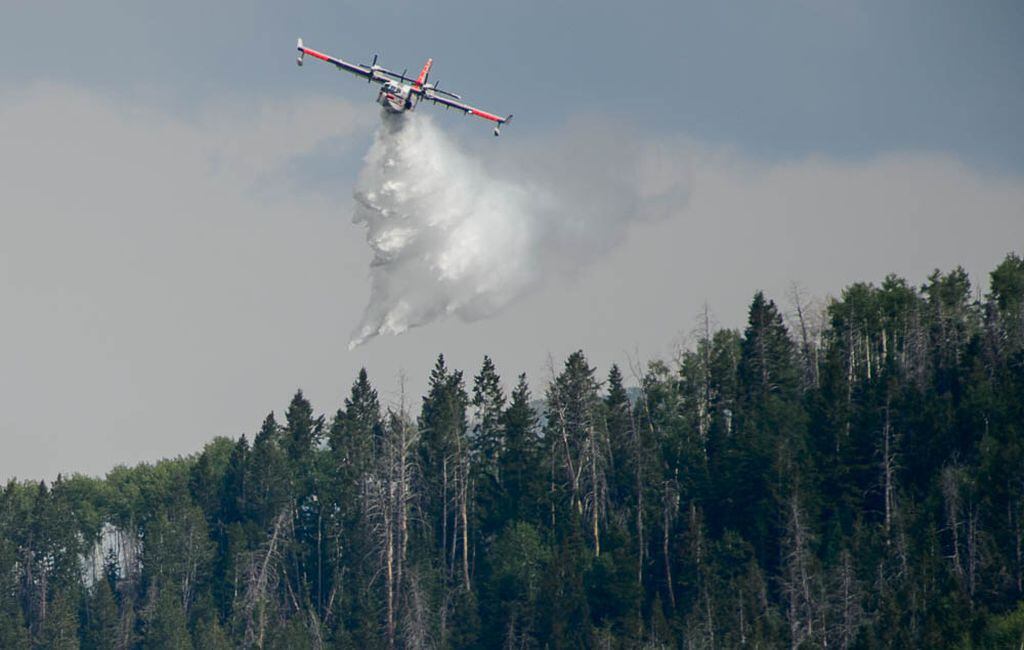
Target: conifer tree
[766,457]
[59,629]
[210,635]
[167,625]
[520,464]
[356,429]
[487,445]
[488,435]
[356,441]
[1007,292]
[13,632]
[621,441]
[99,628]
[302,433]
[268,473]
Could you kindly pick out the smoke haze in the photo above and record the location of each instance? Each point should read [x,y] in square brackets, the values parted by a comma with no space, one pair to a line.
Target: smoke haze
[454,233]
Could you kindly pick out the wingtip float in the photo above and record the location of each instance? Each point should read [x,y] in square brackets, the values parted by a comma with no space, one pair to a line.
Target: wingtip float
[399,93]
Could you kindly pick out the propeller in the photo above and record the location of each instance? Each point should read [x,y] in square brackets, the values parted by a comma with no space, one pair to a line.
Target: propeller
[434,88]
[373,68]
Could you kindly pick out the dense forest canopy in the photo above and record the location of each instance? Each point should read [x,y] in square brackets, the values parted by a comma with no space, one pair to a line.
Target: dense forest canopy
[850,476]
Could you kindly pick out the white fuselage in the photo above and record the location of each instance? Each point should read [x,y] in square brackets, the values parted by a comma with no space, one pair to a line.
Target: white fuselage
[395,97]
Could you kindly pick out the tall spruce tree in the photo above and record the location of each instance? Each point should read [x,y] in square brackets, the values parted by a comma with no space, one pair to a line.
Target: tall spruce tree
[520,465]
[100,621]
[767,459]
[487,444]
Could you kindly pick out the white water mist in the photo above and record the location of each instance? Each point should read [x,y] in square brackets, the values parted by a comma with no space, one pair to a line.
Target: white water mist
[451,237]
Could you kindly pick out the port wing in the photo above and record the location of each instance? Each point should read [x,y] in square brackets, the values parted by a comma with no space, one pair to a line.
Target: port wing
[372,72]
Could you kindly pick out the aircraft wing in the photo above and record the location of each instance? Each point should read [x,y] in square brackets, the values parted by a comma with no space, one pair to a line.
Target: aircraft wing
[371,72]
[437,98]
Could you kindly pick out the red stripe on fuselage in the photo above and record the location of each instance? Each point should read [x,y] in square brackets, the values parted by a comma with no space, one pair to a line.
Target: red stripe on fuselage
[318,55]
[485,115]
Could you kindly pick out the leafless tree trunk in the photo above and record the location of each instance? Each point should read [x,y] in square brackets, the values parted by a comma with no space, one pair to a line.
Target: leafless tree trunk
[389,496]
[1014,508]
[951,493]
[464,515]
[797,577]
[126,624]
[572,472]
[973,556]
[596,490]
[849,594]
[670,506]
[444,510]
[261,573]
[888,472]
[808,346]
[638,455]
[415,621]
[639,477]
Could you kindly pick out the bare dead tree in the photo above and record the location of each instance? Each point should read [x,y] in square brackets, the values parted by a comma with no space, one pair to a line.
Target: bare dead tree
[669,508]
[950,484]
[798,577]
[261,574]
[584,461]
[416,617]
[888,473]
[670,492]
[1015,508]
[848,596]
[595,496]
[389,496]
[638,451]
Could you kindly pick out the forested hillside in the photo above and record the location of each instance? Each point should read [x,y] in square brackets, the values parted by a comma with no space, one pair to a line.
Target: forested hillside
[844,477]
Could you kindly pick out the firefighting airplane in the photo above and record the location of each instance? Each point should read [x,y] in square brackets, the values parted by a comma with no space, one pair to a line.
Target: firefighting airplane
[398,93]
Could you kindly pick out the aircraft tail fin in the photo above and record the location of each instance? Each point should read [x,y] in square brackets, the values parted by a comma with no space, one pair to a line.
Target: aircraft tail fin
[424,73]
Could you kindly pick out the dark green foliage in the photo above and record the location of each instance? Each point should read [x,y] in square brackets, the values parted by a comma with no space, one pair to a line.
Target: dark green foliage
[443,430]
[268,476]
[564,614]
[100,619]
[488,435]
[861,486]
[59,630]
[520,465]
[487,444]
[209,635]
[518,561]
[355,431]
[13,632]
[166,625]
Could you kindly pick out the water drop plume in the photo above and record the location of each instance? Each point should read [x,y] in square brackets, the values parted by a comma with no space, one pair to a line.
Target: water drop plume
[451,235]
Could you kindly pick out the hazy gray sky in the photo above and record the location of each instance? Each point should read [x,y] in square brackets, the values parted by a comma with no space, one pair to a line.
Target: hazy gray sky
[176,252]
